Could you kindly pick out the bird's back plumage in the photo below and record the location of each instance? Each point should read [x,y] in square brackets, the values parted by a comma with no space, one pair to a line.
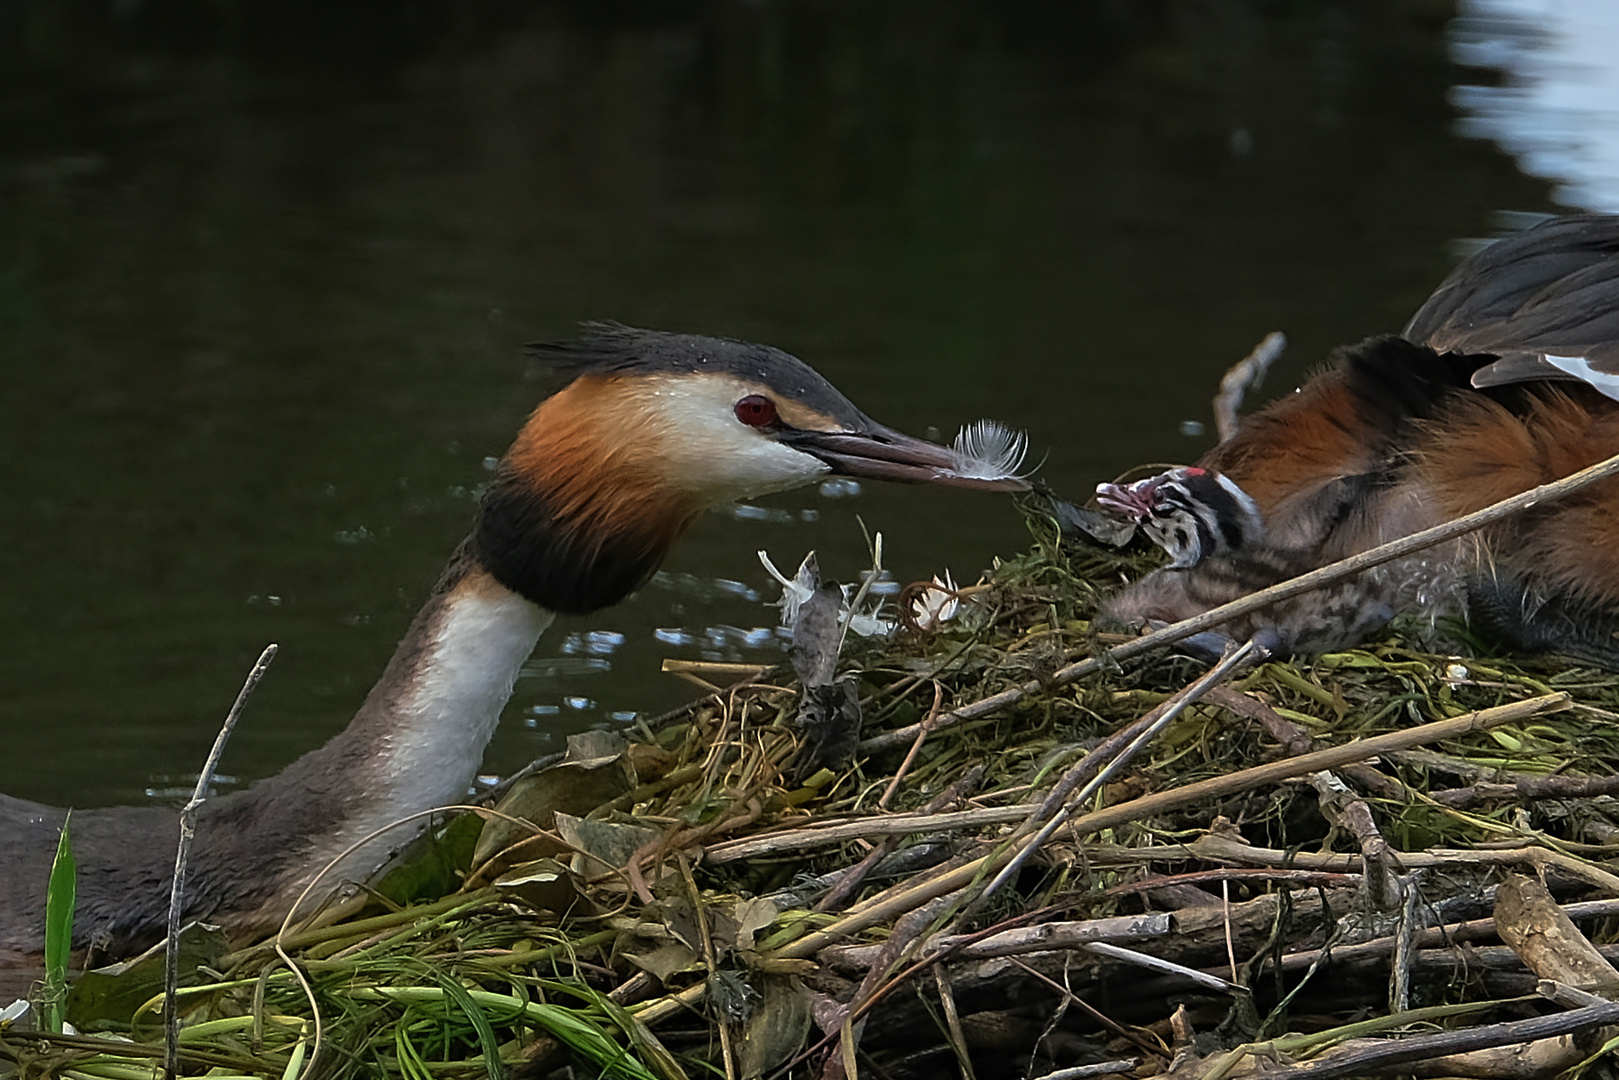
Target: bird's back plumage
[1398,434]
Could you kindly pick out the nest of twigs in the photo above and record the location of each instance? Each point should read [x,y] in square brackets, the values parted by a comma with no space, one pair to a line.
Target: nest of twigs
[1031,866]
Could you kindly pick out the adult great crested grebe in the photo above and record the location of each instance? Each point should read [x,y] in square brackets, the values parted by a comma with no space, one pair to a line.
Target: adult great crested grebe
[650,429]
[1506,378]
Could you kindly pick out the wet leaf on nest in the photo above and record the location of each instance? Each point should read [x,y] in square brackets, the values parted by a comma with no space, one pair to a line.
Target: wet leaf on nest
[733,996]
[777,1025]
[596,771]
[680,919]
[606,845]
[736,923]
[433,864]
[546,885]
[664,960]
[108,997]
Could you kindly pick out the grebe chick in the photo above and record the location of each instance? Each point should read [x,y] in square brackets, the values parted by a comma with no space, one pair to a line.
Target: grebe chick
[1506,378]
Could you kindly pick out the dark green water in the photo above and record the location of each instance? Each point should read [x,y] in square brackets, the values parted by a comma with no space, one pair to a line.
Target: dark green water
[264,279]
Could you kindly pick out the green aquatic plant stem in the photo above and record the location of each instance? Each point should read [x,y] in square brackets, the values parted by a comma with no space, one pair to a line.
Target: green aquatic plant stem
[565,1024]
[406,931]
[650,790]
[549,952]
[103,1052]
[354,961]
[1294,1045]
[364,928]
[1294,680]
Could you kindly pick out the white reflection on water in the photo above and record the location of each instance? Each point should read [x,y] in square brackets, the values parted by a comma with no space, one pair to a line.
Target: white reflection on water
[1555,104]
[591,643]
[673,635]
[703,588]
[773,514]
[556,667]
[839,487]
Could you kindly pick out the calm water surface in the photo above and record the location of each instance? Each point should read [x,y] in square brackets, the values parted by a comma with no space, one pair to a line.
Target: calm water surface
[264,282]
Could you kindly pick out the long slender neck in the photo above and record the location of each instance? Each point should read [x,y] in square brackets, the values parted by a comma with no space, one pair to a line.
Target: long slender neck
[422,730]
[414,744]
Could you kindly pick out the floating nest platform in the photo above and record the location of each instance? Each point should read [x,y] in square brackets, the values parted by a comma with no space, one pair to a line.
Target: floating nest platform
[1027,861]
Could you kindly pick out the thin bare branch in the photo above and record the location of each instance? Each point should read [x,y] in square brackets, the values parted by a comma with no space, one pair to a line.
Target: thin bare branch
[182,856]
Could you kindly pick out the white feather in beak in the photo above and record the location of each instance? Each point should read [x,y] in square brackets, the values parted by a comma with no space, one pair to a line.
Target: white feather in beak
[989,450]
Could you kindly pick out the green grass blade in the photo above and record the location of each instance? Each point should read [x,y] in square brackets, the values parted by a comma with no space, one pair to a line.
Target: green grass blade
[487,1043]
[411,1064]
[59,899]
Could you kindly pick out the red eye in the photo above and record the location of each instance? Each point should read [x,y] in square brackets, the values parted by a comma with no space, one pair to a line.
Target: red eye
[757,411]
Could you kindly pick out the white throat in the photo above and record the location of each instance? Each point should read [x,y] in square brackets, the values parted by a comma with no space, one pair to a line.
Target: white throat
[450,714]
[441,716]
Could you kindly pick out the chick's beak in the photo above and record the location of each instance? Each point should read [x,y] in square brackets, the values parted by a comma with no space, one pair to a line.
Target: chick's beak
[881,453]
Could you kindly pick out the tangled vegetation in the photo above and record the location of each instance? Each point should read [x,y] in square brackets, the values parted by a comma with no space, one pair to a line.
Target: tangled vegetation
[1350,866]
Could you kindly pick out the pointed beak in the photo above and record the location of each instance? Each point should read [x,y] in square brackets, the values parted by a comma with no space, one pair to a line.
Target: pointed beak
[881,453]
[1133,503]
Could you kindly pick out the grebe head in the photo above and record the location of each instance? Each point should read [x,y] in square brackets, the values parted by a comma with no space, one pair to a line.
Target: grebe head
[1191,512]
[651,429]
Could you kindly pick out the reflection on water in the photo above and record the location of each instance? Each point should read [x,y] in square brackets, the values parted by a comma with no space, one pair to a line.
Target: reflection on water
[264,283]
[706,588]
[1549,94]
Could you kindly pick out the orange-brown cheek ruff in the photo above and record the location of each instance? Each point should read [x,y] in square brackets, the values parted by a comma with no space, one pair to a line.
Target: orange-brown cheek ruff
[578,515]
